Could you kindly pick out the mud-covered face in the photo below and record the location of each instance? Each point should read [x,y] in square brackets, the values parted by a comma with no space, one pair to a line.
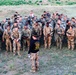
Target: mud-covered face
[73,20]
[20,18]
[69,23]
[8,28]
[47,25]
[65,18]
[25,27]
[59,22]
[36,24]
[26,17]
[15,24]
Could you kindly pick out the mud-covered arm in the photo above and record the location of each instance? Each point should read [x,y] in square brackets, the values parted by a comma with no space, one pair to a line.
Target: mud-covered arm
[19,36]
[68,33]
[12,36]
[51,31]
[29,33]
[73,33]
[63,31]
[3,35]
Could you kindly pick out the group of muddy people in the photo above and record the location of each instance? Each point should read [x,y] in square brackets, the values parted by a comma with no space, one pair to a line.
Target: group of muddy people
[31,32]
[51,29]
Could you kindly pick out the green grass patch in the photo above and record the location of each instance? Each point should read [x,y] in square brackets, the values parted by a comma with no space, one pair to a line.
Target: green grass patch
[35,2]
[12,2]
[71,3]
[5,72]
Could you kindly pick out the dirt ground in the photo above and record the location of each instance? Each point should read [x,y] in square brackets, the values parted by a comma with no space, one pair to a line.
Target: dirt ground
[52,62]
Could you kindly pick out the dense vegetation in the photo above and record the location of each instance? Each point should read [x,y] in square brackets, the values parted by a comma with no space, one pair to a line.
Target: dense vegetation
[37,2]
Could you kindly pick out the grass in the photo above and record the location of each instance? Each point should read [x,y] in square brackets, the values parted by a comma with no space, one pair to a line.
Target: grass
[52,62]
[71,3]
[12,2]
[36,2]
[8,11]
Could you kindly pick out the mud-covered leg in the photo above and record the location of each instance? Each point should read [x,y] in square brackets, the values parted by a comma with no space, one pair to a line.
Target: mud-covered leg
[10,46]
[14,47]
[72,45]
[37,62]
[33,66]
[7,45]
[69,44]
[24,44]
[18,48]
[57,42]
[60,43]
[45,43]
[49,42]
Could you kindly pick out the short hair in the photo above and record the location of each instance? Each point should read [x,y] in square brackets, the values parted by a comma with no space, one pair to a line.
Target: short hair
[73,18]
[15,21]
[44,11]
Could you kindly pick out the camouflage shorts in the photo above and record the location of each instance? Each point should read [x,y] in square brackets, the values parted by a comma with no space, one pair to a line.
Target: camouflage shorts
[35,60]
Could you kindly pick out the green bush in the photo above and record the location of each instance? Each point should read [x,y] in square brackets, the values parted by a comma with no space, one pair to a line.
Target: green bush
[58,3]
[71,3]
[12,2]
[30,2]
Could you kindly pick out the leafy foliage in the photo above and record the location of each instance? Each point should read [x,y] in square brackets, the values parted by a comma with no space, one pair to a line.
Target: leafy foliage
[12,2]
[35,2]
[71,3]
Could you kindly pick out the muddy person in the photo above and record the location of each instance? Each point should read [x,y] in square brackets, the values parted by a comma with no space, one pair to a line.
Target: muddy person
[34,52]
[7,37]
[36,29]
[16,37]
[59,33]
[70,35]
[47,31]
[26,34]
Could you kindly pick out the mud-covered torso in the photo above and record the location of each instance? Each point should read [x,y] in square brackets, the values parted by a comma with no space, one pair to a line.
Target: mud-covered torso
[70,35]
[15,35]
[26,33]
[58,33]
[7,34]
[47,30]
